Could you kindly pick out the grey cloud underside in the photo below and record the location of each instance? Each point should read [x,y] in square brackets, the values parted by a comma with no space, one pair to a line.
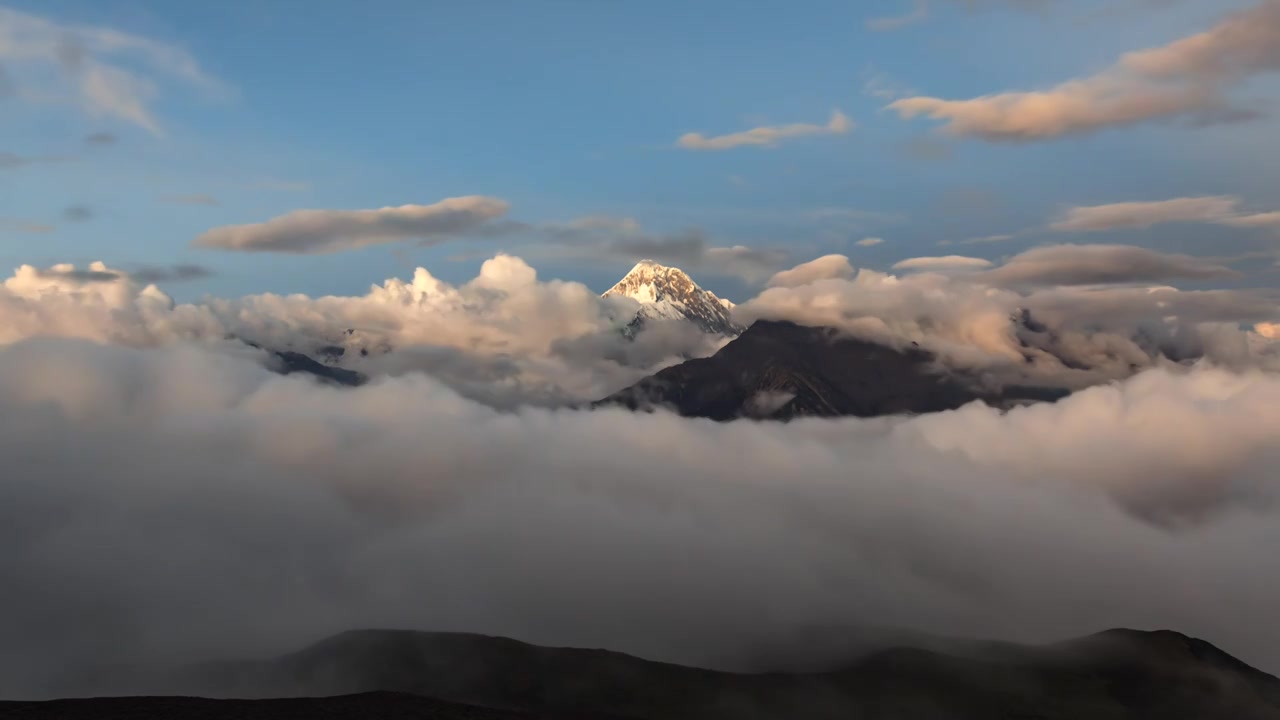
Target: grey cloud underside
[162,539]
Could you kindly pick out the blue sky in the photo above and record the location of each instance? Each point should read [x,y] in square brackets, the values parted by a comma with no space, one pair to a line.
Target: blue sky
[572,108]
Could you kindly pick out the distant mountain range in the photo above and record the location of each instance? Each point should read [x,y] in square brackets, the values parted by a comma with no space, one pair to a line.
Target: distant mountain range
[772,370]
[1114,675]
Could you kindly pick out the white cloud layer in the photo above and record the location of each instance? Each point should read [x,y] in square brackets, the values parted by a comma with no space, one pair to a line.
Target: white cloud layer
[767,135]
[1186,78]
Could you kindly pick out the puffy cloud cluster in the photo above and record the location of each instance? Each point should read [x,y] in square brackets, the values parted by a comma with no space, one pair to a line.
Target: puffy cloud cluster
[1072,315]
[1067,314]
[212,509]
[1186,78]
[504,337]
[824,268]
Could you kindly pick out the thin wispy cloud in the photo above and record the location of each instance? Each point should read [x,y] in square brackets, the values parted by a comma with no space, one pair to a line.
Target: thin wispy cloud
[101,139]
[193,199]
[767,136]
[1188,78]
[25,227]
[945,263]
[919,13]
[169,274]
[1101,265]
[12,161]
[614,239]
[1256,220]
[985,240]
[280,185]
[108,73]
[328,231]
[869,242]
[1140,215]
[78,213]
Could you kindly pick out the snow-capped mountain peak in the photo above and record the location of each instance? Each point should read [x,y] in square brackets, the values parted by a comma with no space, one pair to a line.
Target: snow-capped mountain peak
[668,293]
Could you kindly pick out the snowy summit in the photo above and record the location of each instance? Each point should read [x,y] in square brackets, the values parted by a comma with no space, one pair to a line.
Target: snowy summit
[667,293]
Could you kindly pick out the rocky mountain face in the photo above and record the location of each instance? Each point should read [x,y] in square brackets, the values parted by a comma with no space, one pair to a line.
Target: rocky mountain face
[667,293]
[780,370]
[1118,675]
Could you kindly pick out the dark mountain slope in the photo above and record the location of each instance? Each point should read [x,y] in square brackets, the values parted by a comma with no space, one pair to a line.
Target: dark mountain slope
[1116,675]
[781,370]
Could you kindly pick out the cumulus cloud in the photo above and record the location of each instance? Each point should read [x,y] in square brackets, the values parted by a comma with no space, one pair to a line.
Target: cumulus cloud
[1101,264]
[107,72]
[1141,215]
[942,264]
[823,268]
[767,135]
[161,538]
[328,231]
[1006,325]
[1186,78]
[505,337]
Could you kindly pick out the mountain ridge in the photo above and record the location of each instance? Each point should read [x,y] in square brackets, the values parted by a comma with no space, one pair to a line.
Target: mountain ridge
[780,370]
[1115,675]
[668,293]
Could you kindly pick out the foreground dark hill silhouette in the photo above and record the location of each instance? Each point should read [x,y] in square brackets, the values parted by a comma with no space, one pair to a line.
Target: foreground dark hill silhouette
[779,370]
[1114,675]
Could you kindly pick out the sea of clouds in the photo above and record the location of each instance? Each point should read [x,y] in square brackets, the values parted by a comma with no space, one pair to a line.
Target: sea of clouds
[166,497]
